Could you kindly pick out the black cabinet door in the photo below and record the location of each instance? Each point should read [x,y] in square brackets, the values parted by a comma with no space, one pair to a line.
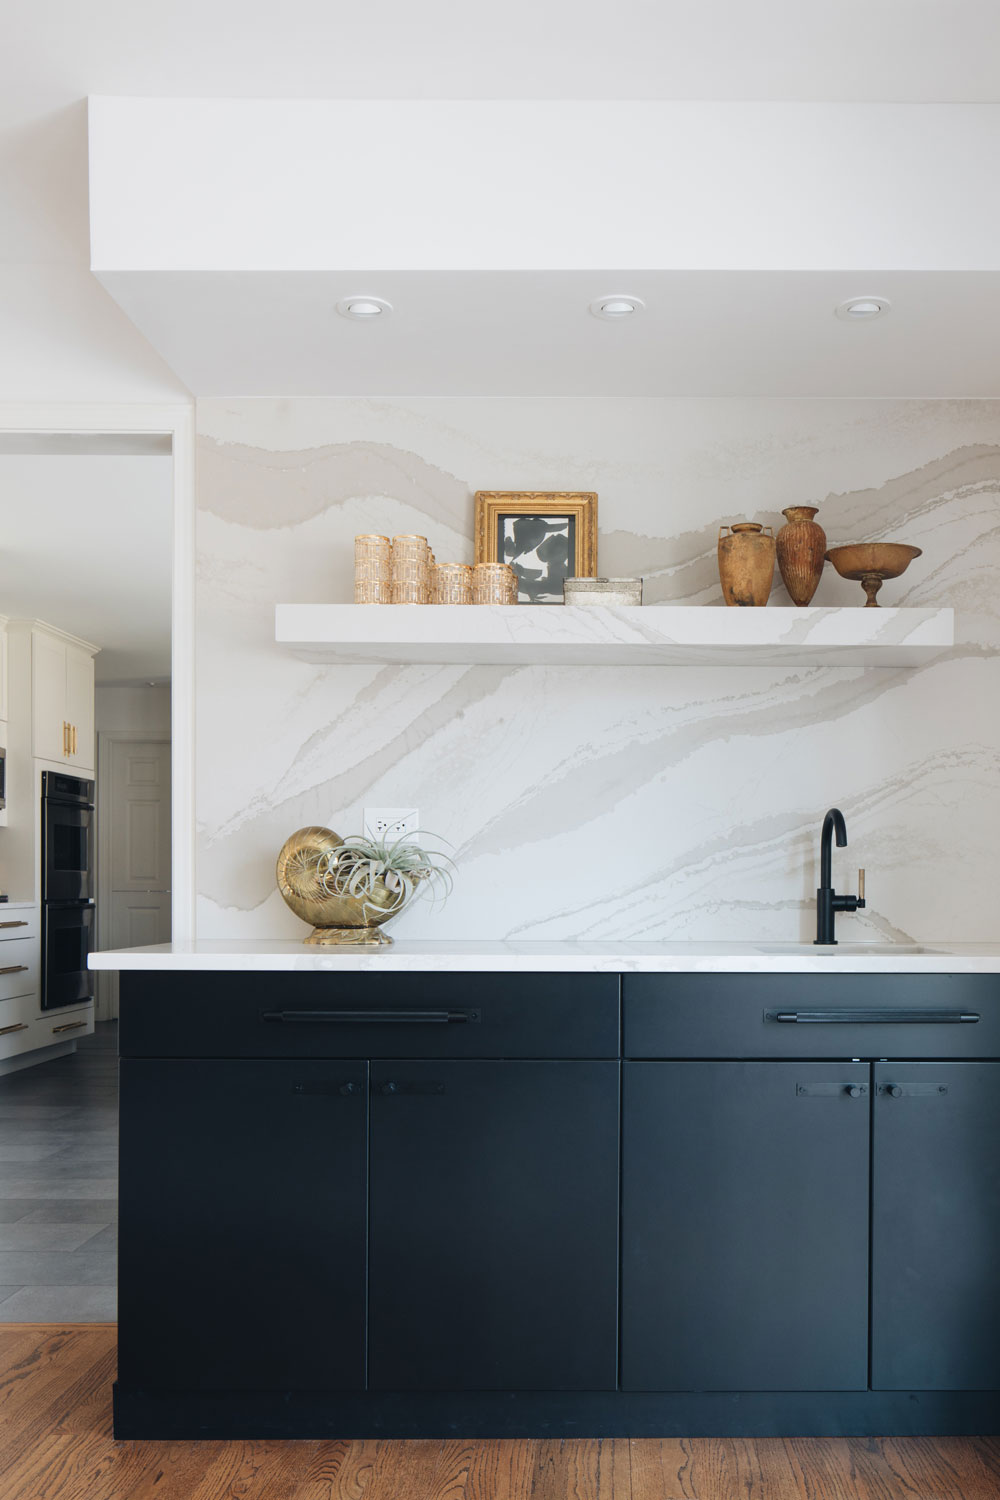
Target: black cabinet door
[745,1226]
[494,1225]
[242,1224]
[936,1227]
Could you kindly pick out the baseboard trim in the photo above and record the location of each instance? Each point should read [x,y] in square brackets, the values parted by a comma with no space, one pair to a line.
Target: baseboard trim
[562,1414]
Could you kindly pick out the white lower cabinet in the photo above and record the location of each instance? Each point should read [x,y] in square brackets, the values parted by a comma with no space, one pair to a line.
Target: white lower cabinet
[19,968]
[17,1025]
[24,1026]
[66,1025]
[24,1029]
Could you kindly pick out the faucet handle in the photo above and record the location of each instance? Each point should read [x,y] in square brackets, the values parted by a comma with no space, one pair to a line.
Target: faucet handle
[861,885]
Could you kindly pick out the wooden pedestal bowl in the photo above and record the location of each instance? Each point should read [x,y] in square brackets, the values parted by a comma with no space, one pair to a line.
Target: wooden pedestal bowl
[871,563]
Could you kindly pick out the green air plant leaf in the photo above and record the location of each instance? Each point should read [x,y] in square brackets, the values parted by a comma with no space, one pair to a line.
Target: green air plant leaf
[365,868]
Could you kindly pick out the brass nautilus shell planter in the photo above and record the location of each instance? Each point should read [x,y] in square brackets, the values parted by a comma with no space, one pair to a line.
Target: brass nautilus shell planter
[304,880]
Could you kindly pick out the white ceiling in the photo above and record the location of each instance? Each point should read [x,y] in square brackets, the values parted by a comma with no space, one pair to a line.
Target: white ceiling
[85,544]
[60,51]
[454,333]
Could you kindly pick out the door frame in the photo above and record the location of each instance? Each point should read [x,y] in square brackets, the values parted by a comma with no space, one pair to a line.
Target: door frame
[175,420]
[106,999]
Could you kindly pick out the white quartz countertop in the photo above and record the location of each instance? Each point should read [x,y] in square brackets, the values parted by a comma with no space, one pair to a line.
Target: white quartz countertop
[407,956]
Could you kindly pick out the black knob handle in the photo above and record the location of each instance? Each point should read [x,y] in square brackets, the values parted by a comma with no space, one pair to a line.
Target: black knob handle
[895,1091]
[854,1089]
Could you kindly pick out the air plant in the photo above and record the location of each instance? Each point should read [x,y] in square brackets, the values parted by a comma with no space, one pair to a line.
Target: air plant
[372,870]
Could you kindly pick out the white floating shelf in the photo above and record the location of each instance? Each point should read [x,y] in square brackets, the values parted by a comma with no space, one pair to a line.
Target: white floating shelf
[651,635]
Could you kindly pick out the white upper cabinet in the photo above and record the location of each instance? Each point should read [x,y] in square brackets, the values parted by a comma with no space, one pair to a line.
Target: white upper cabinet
[80,707]
[49,738]
[62,701]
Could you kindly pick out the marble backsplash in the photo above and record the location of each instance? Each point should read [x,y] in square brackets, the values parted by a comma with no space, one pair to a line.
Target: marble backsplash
[678,803]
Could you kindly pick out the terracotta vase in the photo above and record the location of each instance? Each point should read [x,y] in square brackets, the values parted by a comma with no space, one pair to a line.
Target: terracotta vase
[746,563]
[801,553]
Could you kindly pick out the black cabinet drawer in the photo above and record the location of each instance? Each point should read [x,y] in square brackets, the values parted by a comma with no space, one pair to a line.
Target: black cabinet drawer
[811,1015]
[275,1014]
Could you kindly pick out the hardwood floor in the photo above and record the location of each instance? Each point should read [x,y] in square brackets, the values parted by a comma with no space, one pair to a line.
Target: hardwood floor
[56,1444]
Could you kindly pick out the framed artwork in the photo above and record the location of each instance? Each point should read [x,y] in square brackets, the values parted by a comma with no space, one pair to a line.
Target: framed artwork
[545,535]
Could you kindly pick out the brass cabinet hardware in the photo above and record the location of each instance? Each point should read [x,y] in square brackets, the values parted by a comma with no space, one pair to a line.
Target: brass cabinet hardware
[74,739]
[13,924]
[65,738]
[15,969]
[18,1026]
[68,1026]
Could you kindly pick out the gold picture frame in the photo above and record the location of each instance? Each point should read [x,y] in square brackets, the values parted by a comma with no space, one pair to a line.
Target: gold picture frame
[504,534]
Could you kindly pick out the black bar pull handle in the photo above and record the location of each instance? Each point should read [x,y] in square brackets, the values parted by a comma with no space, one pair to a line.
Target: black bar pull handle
[404,1086]
[912,1090]
[831,1090]
[872,1017]
[327,1086]
[371,1017]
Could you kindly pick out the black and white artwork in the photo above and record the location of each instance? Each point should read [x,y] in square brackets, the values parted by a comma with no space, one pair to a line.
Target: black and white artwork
[542,552]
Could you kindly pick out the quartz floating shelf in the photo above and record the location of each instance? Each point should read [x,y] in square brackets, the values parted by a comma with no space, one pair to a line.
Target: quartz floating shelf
[650,635]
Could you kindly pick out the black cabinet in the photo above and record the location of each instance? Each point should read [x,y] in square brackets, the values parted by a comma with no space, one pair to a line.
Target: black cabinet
[494,1225]
[243,1223]
[316,1221]
[936,1227]
[745,1226]
[477,1205]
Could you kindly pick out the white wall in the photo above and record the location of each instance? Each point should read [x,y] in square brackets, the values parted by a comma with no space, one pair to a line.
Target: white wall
[87,547]
[133,707]
[588,802]
[62,338]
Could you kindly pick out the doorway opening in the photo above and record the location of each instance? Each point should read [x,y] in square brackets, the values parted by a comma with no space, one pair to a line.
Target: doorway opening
[96,837]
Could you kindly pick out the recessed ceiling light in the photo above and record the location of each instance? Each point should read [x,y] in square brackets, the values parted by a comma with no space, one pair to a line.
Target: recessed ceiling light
[616,307]
[361,309]
[862,309]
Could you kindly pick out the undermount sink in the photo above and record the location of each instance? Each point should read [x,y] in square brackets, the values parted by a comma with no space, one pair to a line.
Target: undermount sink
[848,950]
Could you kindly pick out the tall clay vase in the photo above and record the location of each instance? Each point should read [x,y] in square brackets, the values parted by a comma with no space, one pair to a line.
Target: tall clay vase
[801,553]
[746,563]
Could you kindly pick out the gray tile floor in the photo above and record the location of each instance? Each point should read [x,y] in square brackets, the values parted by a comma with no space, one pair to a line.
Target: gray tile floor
[58,1186]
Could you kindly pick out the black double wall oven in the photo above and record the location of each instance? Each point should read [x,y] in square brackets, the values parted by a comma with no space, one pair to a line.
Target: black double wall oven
[68,889]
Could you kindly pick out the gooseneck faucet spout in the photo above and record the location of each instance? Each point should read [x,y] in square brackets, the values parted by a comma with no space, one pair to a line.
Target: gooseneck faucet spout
[828,903]
[834,820]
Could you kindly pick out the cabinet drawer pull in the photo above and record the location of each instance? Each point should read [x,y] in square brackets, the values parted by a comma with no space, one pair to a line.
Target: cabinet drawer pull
[15,969]
[68,1026]
[398,1086]
[18,1026]
[13,924]
[873,1017]
[831,1090]
[912,1090]
[370,1017]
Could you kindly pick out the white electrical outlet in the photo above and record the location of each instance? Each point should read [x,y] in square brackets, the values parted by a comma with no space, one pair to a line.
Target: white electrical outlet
[391,823]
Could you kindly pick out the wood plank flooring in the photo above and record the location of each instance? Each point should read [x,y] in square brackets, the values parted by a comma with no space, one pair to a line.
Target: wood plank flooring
[56,1444]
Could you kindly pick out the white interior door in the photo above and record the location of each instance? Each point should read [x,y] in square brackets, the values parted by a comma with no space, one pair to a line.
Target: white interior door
[136,885]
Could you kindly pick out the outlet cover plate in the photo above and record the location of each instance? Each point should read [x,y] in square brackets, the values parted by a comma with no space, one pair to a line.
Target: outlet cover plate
[391,822]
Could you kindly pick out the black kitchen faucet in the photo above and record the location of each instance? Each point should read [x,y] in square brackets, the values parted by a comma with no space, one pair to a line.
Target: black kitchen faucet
[828,903]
